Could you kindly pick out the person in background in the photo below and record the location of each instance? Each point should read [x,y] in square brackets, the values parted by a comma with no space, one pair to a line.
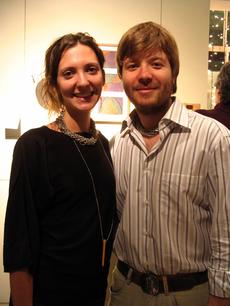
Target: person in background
[61,214]
[221,111]
[173,185]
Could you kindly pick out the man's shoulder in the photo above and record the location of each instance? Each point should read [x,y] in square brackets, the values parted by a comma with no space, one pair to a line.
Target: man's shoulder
[114,141]
[210,124]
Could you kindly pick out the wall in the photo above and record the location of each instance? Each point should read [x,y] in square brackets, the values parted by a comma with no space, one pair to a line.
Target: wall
[220,5]
[29,26]
[188,21]
[11,96]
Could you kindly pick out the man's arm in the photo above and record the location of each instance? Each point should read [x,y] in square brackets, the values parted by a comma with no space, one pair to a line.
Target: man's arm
[21,285]
[219,196]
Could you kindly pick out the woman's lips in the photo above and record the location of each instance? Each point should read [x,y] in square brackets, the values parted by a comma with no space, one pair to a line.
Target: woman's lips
[83,96]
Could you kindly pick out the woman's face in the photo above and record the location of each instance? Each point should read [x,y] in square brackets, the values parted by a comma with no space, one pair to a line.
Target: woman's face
[217,95]
[80,78]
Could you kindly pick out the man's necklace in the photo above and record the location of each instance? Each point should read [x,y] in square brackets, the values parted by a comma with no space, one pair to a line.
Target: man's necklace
[145,132]
[104,239]
[85,141]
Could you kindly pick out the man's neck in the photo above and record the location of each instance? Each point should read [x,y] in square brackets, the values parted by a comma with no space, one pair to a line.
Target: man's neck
[150,120]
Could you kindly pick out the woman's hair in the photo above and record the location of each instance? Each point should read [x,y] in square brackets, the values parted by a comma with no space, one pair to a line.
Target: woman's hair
[142,39]
[49,94]
[223,83]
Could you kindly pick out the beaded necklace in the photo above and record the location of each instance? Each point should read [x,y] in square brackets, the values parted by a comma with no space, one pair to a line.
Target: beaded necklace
[76,136]
[145,132]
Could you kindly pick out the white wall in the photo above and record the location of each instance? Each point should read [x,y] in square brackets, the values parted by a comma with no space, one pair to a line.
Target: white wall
[188,22]
[11,97]
[220,5]
[29,26]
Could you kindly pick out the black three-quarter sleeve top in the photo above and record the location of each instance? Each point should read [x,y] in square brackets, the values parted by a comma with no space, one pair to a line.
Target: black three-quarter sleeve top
[52,221]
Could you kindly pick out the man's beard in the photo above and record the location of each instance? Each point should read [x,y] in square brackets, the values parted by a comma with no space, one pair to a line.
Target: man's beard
[154,108]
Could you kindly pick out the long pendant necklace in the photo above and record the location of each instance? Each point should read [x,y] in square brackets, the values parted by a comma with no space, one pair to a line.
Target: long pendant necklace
[104,239]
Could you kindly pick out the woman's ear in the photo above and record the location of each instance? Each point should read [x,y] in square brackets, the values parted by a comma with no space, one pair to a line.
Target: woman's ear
[103,74]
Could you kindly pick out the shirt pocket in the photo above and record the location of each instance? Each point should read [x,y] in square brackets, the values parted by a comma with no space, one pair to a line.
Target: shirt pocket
[182,189]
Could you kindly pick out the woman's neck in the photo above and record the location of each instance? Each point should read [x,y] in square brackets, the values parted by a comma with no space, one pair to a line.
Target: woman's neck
[76,122]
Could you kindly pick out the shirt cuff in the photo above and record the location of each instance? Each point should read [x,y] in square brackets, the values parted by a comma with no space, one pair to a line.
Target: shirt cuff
[219,283]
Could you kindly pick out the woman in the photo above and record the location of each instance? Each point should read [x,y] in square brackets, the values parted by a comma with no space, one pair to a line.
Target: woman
[60,217]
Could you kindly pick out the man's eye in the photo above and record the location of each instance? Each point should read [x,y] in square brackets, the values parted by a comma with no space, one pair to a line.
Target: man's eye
[131,66]
[157,65]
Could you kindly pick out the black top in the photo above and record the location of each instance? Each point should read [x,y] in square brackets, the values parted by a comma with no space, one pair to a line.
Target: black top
[52,224]
[221,113]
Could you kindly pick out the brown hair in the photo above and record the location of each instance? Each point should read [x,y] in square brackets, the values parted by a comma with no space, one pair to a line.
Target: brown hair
[223,83]
[49,91]
[142,39]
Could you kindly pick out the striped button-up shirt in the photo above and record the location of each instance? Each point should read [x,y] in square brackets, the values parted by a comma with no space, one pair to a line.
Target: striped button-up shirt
[174,201]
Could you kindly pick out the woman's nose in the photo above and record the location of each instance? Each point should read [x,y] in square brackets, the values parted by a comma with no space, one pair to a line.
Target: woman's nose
[82,79]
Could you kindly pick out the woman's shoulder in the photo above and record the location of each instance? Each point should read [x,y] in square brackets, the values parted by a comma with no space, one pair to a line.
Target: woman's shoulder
[33,138]
[102,137]
[35,134]
[103,140]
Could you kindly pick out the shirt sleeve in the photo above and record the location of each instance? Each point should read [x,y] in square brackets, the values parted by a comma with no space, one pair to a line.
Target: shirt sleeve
[219,195]
[21,235]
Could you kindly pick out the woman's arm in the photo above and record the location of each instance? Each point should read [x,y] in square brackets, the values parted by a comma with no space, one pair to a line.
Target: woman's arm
[21,285]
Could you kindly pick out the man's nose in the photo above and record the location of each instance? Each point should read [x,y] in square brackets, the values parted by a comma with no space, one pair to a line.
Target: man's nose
[145,74]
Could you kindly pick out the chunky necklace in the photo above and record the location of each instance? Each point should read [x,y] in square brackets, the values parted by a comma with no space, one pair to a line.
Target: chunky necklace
[104,239]
[143,131]
[76,136]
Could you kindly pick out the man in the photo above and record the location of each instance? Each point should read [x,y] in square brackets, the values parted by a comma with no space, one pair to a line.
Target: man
[173,186]
[221,111]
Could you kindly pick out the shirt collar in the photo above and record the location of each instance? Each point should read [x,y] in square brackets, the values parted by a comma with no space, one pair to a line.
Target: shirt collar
[177,114]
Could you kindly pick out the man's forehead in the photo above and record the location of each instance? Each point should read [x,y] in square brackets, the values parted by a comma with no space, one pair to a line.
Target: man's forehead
[153,54]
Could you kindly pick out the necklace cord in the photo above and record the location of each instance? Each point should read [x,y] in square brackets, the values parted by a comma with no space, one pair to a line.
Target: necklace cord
[144,131]
[95,195]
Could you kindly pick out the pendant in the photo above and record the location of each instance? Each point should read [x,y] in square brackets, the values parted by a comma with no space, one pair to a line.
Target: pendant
[103,252]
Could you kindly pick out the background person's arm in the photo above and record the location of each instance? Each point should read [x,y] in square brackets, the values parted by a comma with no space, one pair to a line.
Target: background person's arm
[217,301]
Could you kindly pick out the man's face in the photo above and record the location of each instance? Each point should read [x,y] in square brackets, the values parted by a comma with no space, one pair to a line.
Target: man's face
[148,82]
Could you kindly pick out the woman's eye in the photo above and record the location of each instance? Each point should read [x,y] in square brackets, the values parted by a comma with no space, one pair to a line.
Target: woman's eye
[92,69]
[67,74]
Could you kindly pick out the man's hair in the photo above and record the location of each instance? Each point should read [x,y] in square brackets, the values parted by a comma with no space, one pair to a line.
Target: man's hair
[49,90]
[143,39]
[223,83]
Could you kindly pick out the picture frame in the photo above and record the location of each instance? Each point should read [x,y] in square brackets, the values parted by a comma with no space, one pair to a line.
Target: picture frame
[113,106]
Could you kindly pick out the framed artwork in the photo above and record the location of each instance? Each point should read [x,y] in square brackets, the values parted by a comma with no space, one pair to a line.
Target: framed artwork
[113,106]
